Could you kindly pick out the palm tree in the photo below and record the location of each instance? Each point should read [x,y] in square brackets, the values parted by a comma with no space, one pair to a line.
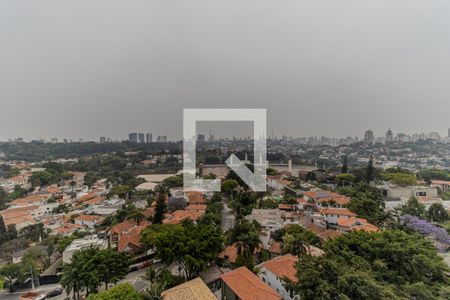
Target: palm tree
[70,280]
[137,217]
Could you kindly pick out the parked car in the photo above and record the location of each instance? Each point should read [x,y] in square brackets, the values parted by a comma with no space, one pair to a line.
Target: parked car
[54,293]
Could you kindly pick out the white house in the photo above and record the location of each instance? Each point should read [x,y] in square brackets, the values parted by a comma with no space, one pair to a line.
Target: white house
[83,243]
[276,271]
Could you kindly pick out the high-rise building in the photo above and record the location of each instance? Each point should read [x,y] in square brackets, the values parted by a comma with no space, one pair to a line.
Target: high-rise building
[201,138]
[162,139]
[141,137]
[149,138]
[369,138]
[133,137]
[448,135]
[389,136]
[102,140]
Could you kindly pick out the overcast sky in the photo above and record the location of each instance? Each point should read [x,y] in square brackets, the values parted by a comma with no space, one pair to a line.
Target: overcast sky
[90,68]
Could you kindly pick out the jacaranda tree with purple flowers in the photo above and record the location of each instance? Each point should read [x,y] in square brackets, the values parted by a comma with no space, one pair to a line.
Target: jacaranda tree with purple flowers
[426,228]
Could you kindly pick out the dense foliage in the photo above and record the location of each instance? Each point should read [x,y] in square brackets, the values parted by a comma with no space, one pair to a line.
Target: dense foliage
[384,265]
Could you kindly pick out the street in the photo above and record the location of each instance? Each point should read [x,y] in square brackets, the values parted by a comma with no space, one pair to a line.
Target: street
[228,218]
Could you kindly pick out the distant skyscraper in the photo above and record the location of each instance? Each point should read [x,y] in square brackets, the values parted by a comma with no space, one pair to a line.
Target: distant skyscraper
[201,138]
[161,139]
[389,136]
[149,138]
[133,137]
[369,138]
[102,139]
[141,137]
[448,135]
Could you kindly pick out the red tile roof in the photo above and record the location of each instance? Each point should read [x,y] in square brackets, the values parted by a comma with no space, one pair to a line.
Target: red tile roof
[338,211]
[248,286]
[180,215]
[275,248]
[283,266]
[229,253]
[196,198]
[329,234]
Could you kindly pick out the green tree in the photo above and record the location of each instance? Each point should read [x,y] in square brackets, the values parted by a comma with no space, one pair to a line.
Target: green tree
[112,266]
[121,190]
[160,208]
[123,291]
[137,217]
[344,168]
[344,179]
[12,273]
[366,201]
[370,170]
[3,232]
[191,246]
[91,267]
[228,186]
[413,207]
[437,213]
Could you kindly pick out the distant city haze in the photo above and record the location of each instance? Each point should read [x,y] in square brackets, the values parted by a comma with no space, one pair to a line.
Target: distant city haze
[71,69]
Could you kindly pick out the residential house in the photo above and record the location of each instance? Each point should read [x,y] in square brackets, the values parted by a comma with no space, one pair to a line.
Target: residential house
[126,236]
[332,215]
[350,224]
[90,221]
[443,185]
[190,290]
[242,284]
[270,219]
[83,243]
[179,215]
[277,271]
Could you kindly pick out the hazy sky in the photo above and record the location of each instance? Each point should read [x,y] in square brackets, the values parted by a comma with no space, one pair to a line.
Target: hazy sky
[91,68]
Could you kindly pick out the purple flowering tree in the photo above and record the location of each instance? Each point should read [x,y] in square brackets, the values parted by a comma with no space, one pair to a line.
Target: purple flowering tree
[426,228]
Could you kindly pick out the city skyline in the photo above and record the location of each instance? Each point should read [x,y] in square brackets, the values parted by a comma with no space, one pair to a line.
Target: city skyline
[318,68]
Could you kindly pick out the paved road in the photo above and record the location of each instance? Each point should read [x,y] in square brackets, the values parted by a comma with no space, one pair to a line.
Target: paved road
[134,278]
[227,217]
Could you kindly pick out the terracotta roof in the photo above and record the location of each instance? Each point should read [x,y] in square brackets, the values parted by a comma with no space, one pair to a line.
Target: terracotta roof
[248,286]
[196,198]
[315,229]
[86,197]
[326,196]
[338,211]
[229,253]
[180,215]
[16,212]
[302,201]
[329,234]
[283,266]
[275,248]
[196,207]
[285,206]
[440,182]
[347,222]
[69,227]
[133,236]
[357,224]
[191,290]
[122,227]
[338,200]
[88,218]
[19,220]
[366,227]
[95,200]
[29,199]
